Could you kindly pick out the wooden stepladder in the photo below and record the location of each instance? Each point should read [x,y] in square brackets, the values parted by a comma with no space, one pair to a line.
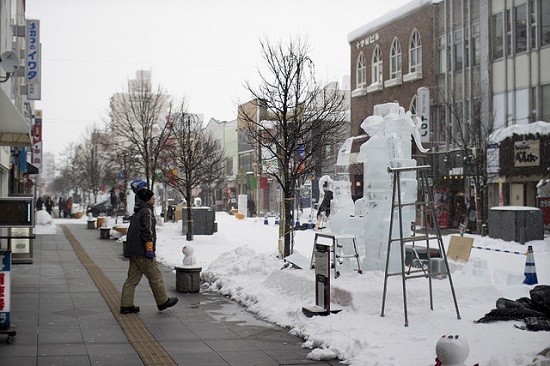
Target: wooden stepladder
[425,204]
[336,248]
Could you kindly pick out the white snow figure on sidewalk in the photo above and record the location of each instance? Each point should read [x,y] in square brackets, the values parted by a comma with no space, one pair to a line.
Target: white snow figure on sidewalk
[390,130]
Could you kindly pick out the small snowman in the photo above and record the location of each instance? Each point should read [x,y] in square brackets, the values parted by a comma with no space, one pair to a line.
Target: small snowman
[452,350]
[188,256]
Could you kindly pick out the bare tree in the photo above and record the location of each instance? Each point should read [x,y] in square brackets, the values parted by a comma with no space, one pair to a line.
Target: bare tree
[70,171]
[94,161]
[294,120]
[192,157]
[469,132]
[138,128]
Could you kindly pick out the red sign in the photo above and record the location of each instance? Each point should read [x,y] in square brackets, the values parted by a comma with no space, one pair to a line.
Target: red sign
[544,205]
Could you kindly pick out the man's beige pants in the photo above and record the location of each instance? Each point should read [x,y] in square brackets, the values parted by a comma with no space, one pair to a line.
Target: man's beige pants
[140,266]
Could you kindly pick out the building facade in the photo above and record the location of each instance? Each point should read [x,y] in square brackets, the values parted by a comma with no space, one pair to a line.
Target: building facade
[16,103]
[520,85]
[482,63]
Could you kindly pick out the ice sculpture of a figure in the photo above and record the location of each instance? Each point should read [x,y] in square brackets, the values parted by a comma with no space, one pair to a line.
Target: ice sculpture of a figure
[390,130]
[325,199]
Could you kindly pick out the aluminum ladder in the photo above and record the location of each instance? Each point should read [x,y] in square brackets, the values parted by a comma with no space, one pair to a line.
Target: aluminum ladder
[335,245]
[425,204]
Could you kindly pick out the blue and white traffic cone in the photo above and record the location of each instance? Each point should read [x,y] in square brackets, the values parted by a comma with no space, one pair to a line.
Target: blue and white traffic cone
[297,222]
[309,224]
[265,220]
[530,269]
[277,220]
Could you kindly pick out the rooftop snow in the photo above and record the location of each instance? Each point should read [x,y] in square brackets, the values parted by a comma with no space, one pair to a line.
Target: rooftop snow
[534,128]
[388,17]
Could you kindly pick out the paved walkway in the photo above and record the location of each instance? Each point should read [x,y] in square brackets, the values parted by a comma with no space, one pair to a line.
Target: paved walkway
[65,305]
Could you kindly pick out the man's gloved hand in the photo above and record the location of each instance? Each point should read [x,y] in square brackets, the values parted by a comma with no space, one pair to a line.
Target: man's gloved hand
[149,254]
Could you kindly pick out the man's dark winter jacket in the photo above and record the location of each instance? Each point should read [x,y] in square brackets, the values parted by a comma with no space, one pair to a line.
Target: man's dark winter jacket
[141,230]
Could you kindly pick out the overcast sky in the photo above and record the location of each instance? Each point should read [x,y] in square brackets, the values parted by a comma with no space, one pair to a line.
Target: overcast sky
[200,50]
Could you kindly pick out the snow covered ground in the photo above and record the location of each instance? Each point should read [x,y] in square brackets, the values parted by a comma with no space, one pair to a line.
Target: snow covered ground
[240,261]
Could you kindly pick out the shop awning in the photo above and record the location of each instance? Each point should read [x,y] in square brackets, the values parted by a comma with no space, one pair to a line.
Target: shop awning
[31,169]
[14,129]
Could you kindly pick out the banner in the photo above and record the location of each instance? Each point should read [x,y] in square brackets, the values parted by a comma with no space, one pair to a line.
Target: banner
[37,139]
[5,266]
[33,60]
[423,112]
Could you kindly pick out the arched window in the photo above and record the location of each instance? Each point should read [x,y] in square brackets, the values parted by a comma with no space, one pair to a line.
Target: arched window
[377,66]
[361,77]
[415,53]
[395,59]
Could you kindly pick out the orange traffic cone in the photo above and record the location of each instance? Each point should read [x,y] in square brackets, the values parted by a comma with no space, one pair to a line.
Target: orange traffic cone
[530,269]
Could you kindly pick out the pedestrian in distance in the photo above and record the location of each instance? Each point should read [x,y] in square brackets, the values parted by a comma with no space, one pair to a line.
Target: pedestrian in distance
[49,204]
[140,249]
[61,206]
[136,185]
[69,207]
[114,202]
[39,203]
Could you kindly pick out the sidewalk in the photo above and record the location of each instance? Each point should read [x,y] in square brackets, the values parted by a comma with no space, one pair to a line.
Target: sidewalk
[63,318]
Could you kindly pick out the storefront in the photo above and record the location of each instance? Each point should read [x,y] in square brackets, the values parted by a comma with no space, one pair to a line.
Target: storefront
[524,156]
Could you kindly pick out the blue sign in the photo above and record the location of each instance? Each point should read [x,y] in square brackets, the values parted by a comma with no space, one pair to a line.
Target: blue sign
[5,261]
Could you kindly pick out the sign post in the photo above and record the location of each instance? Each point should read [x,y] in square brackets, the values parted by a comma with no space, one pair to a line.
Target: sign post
[5,267]
[322,282]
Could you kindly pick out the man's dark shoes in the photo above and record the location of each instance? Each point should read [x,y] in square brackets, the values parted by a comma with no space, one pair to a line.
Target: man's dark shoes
[168,304]
[129,309]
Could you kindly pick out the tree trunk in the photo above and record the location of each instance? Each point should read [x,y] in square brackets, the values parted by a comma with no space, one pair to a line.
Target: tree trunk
[288,207]
[189,236]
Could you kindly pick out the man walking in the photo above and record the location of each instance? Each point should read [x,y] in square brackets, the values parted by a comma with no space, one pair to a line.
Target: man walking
[140,249]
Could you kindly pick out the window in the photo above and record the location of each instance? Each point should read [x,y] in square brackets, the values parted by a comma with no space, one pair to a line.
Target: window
[508,32]
[415,53]
[534,103]
[395,59]
[476,50]
[545,98]
[533,23]
[498,36]
[377,66]
[361,77]
[545,22]
[521,28]
[458,50]
[229,165]
[442,55]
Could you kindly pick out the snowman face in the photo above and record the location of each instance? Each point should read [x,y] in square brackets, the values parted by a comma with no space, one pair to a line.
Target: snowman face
[452,349]
[187,250]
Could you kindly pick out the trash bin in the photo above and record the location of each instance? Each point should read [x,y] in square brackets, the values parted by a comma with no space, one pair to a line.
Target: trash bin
[188,279]
[516,223]
[203,221]
[105,233]
[100,221]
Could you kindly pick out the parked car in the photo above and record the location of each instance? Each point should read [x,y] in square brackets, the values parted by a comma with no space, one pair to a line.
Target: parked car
[105,209]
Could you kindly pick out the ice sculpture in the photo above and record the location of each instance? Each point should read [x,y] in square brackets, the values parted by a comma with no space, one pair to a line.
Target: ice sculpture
[390,130]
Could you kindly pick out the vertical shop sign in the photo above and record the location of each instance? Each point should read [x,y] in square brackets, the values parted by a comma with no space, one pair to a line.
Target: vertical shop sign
[37,140]
[5,266]
[423,112]
[33,60]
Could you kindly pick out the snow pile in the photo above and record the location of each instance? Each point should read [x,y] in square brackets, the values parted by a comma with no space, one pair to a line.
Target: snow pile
[44,223]
[240,261]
